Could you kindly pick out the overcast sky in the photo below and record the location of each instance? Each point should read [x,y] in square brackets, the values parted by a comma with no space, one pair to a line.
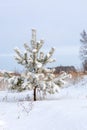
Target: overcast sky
[58,22]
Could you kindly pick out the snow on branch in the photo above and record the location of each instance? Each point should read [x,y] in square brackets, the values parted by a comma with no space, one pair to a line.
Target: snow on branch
[27,48]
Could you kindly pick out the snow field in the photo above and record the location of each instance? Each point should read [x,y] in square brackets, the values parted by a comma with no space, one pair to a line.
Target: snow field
[67,114]
[66,110]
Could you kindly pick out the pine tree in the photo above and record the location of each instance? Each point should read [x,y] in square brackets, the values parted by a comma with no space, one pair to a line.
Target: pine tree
[83,50]
[36,77]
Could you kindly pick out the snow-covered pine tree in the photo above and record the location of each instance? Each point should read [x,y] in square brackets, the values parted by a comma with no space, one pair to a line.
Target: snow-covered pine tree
[83,50]
[36,76]
[34,60]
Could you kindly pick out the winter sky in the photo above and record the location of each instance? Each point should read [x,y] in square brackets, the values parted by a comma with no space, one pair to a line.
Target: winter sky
[58,22]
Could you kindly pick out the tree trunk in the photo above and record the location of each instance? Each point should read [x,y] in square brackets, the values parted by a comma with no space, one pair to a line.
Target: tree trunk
[35,97]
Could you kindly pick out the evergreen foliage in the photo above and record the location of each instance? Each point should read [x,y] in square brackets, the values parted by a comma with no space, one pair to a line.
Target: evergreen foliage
[36,76]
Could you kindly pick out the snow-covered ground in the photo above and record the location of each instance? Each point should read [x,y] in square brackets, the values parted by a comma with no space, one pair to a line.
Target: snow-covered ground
[66,110]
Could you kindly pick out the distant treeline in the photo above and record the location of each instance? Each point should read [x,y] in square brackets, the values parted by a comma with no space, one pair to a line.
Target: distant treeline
[67,69]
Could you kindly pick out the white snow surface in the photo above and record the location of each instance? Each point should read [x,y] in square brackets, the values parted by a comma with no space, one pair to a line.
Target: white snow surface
[66,110]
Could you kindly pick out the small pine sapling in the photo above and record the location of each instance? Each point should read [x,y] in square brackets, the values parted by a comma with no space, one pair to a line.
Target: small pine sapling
[36,77]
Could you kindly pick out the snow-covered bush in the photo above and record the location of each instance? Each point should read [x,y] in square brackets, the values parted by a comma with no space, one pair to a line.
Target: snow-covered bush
[15,83]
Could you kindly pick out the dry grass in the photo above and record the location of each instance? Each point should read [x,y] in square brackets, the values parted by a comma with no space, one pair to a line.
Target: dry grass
[75,76]
[3,85]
